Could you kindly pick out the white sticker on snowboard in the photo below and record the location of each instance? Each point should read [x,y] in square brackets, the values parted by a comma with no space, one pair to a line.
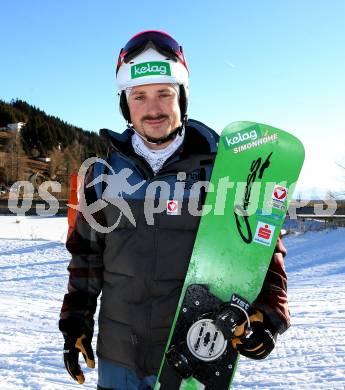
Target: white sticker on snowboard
[264,233]
[279,196]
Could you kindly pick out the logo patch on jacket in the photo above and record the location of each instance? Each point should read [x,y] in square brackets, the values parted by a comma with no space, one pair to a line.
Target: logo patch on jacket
[172,207]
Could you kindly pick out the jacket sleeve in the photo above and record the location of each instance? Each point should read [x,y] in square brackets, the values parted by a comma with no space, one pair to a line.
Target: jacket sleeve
[272,299]
[85,269]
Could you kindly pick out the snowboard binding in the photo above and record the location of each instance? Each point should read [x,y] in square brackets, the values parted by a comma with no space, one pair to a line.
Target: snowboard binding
[201,346]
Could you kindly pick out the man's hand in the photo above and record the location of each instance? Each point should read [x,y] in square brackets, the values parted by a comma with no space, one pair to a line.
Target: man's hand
[73,346]
[256,342]
[77,340]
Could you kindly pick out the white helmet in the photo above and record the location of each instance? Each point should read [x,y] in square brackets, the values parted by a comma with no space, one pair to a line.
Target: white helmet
[152,57]
[151,67]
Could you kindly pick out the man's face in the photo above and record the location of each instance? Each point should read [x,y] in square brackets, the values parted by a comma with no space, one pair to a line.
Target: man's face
[154,110]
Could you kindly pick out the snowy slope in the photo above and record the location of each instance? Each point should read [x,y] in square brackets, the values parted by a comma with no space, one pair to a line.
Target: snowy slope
[33,278]
[32,284]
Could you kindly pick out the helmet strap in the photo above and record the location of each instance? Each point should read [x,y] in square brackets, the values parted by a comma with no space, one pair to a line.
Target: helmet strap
[159,141]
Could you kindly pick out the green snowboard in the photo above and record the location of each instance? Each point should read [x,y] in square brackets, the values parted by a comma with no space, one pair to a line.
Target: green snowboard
[253,179]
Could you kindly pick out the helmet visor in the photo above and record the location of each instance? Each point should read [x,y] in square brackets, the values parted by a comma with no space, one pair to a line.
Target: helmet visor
[162,42]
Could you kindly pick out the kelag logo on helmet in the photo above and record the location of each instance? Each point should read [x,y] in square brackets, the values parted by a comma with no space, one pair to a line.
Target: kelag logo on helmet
[152,68]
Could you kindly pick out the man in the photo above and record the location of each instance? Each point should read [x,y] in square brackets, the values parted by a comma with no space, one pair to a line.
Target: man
[140,264]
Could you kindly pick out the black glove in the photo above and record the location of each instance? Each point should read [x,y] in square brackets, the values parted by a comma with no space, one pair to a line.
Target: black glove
[76,341]
[258,341]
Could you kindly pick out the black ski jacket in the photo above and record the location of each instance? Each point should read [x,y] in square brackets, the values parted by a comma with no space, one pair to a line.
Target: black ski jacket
[140,264]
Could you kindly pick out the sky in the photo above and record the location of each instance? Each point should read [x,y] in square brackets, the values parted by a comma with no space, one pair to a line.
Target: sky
[280,63]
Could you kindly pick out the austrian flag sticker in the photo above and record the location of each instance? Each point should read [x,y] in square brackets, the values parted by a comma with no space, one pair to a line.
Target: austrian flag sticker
[172,207]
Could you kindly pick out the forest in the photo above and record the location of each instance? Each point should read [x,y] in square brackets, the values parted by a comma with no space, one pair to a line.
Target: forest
[45,148]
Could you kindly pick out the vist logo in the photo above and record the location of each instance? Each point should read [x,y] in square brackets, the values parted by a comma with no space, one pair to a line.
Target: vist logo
[236,299]
[242,137]
[279,193]
[264,233]
[152,68]
[172,207]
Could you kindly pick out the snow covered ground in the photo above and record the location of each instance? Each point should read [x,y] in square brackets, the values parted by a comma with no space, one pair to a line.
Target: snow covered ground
[33,278]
